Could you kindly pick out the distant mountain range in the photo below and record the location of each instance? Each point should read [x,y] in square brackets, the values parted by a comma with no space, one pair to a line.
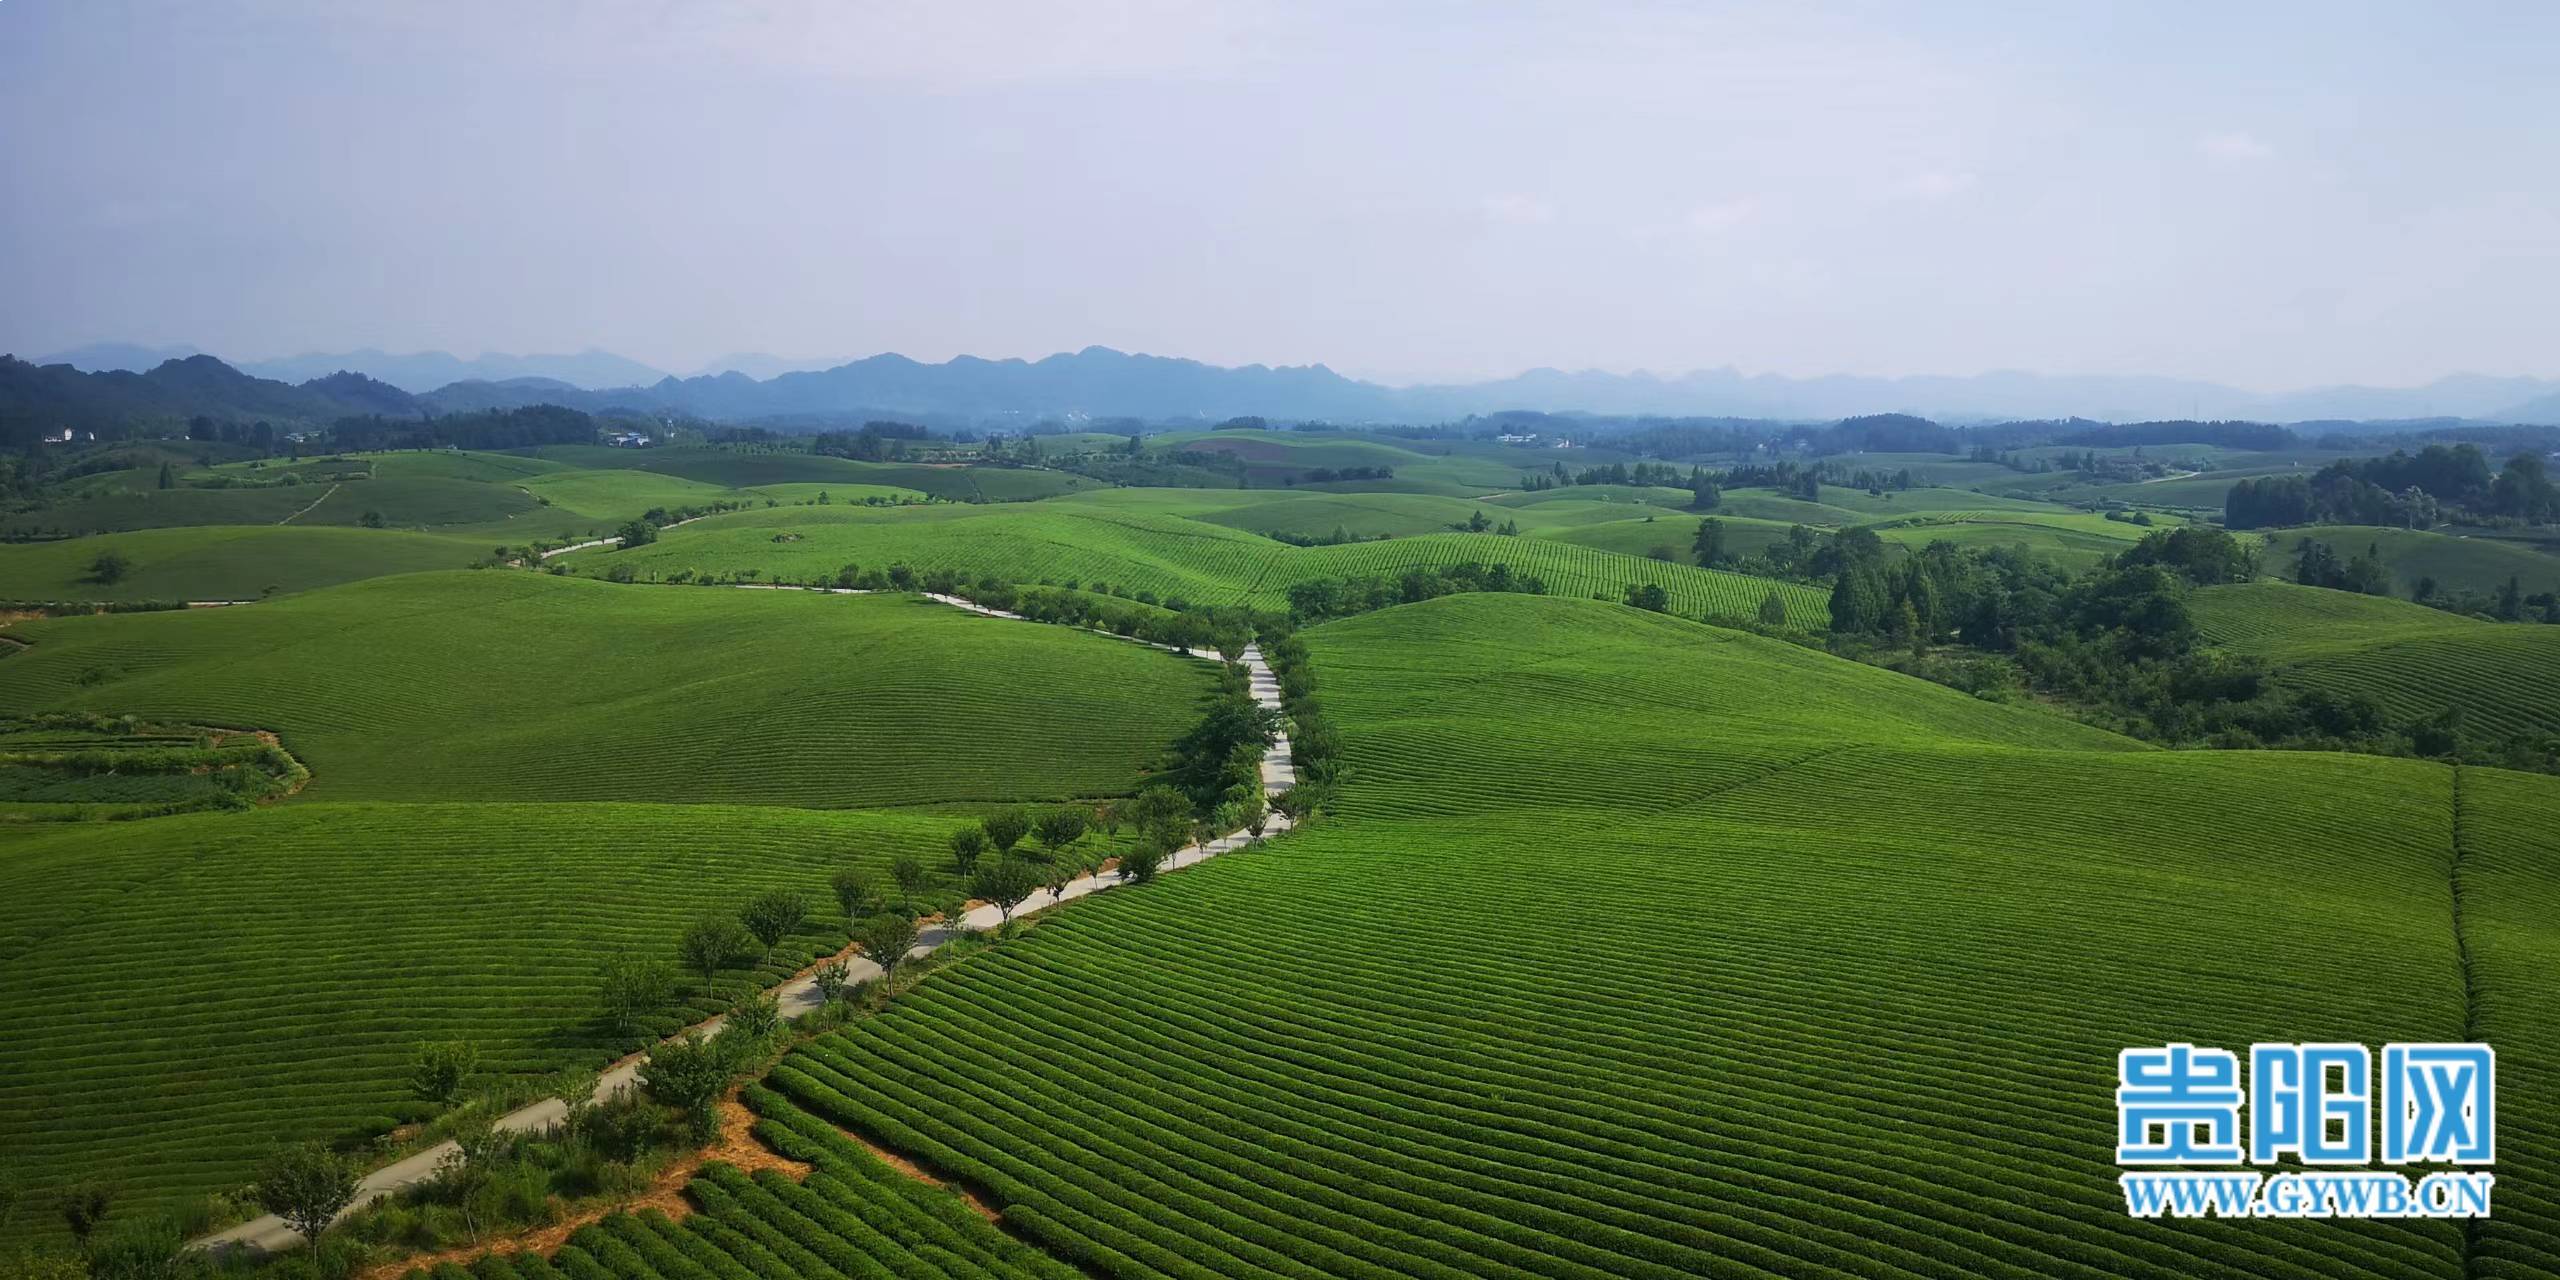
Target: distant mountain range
[1098,382]
[417,372]
[54,396]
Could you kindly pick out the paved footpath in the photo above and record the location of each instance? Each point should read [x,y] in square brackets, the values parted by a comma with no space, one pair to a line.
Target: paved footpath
[799,996]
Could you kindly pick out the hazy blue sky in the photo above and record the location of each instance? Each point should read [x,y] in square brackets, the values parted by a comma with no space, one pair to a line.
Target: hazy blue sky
[2271,195]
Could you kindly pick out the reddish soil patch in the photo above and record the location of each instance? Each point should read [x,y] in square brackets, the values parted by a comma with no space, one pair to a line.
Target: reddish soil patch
[737,1145]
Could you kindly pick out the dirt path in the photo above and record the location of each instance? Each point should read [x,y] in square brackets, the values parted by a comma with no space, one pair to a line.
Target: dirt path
[333,488]
[612,541]
[797,997]
[736,1145]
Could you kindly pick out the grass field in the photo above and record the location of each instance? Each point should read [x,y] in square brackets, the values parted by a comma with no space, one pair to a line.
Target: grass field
[2414,660]
[499,685]
[225,562]
[1168,556]
[1691,965]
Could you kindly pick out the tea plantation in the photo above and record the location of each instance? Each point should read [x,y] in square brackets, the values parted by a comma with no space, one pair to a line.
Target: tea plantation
[1169,557]
[1623,945]
[1839,994]
[501,686]
[2412,660]
[184,993]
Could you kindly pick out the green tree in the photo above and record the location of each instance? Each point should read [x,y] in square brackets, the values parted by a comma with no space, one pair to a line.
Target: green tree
[631,988]
[1005,882]
[1061,873]
[438,1070]
[910,875]
[1708,546]
[1005,829]
[968,844]
[714,944]
[1649,597]
[2511,601]
[1858,602]
[689,1075]
[109,568]
[1158,813]
[1773,609]
[854,893]
[887,938]
[637,533]
[307,1186]
[370,519]
[1061,827]
[168,477]
[772,916]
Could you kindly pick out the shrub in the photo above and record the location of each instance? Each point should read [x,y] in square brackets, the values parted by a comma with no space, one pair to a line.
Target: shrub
[151,1249]
[437,1072]
[755,1017]
[689,1075]
[832,979]
[84,1205]
[1141,862]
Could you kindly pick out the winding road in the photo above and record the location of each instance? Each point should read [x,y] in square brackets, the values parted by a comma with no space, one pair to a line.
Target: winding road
[799,996]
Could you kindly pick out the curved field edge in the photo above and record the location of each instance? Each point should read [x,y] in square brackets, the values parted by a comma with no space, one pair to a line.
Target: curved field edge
[515,686]
[1170,557]
[2412,660]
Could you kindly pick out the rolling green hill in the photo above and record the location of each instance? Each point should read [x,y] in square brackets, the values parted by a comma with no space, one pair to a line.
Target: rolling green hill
[1169,557]
[184,993]
[2413,660]
[734,468]
[514,776]
[397,501]
[516,686]
[2457,563]
[1460,700]
[1635,950]
[1272,458]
